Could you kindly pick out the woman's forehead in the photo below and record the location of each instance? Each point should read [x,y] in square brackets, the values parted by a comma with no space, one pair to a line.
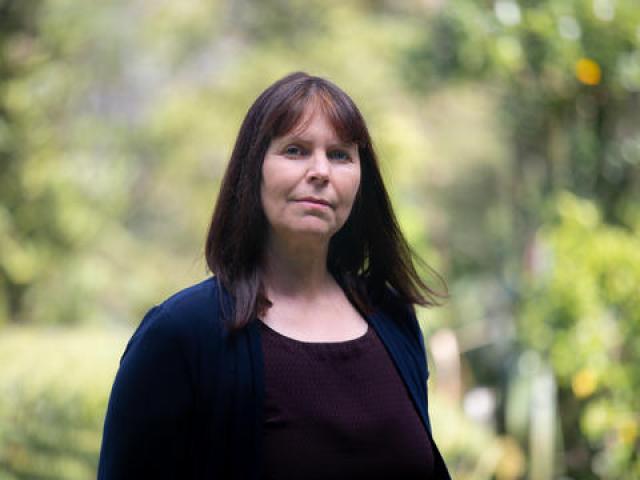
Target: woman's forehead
[315,110]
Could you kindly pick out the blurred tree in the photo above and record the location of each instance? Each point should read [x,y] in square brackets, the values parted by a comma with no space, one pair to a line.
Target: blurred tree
[20,230]
[567,74]
[79,195]
[582,312]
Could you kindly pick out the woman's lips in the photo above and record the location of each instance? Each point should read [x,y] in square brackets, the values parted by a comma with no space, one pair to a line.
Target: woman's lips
[314,202]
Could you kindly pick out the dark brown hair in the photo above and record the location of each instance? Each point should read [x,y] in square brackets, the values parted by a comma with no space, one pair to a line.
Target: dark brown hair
[366,256]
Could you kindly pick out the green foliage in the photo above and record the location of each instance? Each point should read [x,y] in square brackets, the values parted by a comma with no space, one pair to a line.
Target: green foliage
[53,393]
[568,73]
[567,77]
[583,312]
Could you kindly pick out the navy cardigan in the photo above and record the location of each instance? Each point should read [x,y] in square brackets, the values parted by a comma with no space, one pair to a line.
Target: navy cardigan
[188,396]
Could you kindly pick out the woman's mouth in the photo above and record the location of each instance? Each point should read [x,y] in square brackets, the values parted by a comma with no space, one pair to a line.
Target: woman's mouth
[315,202]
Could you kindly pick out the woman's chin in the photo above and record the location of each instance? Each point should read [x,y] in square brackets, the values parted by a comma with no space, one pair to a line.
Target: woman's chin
[311,232]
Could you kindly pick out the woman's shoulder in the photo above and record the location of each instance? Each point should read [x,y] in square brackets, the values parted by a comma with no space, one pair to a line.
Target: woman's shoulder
[203,295]
[193,311]
[400,312]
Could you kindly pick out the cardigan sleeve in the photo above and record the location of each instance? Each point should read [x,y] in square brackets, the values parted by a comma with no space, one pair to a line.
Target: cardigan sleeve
[146,430]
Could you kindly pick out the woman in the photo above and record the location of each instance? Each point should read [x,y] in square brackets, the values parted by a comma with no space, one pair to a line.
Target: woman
[302,356]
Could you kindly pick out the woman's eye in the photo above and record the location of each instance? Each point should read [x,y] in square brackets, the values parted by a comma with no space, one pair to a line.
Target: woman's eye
[293,151]
[340,155]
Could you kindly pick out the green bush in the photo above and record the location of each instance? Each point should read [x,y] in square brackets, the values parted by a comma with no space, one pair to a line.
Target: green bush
[54,387]
[583,313]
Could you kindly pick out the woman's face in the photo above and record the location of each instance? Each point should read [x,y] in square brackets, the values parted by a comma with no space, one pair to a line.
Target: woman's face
[309,180]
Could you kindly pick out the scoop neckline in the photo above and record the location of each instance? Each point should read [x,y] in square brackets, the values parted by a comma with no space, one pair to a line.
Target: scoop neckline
[352,341]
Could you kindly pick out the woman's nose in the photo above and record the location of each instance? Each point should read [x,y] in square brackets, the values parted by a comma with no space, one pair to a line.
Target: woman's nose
[319,166]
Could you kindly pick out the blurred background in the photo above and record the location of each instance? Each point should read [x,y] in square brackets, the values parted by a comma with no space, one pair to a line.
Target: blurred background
[509,137]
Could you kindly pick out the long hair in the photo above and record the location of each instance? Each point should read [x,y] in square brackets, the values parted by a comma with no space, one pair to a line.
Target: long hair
[367,256]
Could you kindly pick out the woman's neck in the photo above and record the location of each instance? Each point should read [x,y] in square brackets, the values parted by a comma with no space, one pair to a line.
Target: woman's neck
[296,269]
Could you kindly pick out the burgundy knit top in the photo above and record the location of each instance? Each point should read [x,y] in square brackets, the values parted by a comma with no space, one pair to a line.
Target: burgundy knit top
[339,410]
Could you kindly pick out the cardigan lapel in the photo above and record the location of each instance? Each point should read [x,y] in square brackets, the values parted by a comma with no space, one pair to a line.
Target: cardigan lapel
[402,353]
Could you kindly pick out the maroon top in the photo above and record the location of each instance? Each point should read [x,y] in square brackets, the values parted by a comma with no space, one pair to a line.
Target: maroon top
[339,410]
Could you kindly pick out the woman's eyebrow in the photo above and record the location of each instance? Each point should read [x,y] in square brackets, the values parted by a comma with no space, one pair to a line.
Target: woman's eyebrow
[300,139]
